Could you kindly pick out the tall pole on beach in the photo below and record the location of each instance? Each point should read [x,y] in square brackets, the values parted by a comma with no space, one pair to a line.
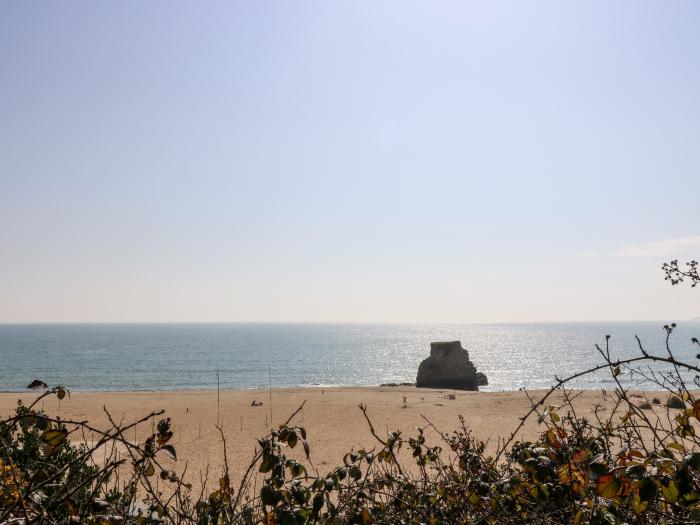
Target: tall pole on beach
[269,376]
[218,400]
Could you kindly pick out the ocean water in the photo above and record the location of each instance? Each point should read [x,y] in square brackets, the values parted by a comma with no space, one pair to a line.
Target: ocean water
[188,356]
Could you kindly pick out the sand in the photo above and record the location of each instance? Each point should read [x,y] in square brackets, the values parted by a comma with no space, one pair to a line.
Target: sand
[331,417]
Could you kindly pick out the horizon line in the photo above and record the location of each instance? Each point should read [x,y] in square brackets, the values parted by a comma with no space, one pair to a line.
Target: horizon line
[450,323]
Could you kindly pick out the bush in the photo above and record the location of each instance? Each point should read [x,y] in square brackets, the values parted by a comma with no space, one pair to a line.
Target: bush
[675,402]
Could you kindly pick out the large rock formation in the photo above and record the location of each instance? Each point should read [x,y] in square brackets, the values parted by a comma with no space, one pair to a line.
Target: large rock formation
[449,367]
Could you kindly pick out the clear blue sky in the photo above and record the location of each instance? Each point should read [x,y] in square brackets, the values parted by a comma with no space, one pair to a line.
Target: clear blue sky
[347,161]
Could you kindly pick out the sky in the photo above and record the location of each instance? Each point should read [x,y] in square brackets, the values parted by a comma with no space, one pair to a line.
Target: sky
[364,161]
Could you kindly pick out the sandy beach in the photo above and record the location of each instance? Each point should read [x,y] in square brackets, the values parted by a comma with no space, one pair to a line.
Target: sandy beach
[331,417]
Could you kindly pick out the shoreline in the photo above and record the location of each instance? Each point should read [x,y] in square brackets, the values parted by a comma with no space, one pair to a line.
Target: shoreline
[27,391]
[303,388]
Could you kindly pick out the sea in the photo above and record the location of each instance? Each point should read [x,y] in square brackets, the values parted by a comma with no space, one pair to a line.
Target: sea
[128,357]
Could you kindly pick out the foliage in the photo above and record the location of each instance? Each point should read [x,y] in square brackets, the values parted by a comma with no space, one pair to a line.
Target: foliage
[632,464]
[45,478]
[676,275]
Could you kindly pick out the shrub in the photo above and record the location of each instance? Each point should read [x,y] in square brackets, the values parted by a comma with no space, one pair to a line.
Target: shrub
[675,402]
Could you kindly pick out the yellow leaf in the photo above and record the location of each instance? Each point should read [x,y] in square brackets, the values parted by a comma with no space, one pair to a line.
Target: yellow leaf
[639,506]
[695,513]
[54,437]
[676,446]
[696,409]
[552,438]
[225,484]
[564,474]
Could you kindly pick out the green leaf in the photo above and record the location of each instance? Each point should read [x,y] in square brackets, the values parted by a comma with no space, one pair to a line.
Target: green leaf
[355,472]
[169,451]
[27,421]
[599,469]
[267,463]
[42,422]
[150,470]
[215,497]
[635,471]
[298,470]
[647,489]
[670,492]
[163,426]
[269,496]
[693,461]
